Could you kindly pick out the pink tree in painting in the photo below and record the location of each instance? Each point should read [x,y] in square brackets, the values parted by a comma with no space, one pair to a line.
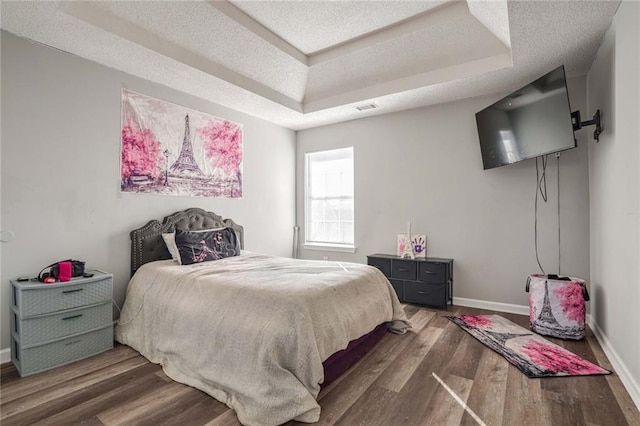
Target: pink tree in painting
[558,360]
[223,145]
[571,301]
[140,152]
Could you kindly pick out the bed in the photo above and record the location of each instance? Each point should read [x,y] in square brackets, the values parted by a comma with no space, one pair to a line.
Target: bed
[258,333]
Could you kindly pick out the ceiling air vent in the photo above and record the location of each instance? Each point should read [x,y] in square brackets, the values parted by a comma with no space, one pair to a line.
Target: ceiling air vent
[366,107]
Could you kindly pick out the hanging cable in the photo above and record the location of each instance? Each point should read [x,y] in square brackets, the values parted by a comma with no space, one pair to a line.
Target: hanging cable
[558,179]
[542,182]
[541,187]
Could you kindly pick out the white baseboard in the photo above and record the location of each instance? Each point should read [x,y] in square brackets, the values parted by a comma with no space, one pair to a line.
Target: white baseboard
[629,382]
[492,306]
[5,355]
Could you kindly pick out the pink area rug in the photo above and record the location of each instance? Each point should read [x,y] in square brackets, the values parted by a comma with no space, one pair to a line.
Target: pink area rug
[534,355]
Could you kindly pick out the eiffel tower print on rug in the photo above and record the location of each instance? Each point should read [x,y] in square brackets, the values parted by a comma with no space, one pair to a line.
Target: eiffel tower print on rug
[186,164]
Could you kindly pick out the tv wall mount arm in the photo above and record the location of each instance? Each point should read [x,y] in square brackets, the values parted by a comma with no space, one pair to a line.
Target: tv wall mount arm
[577,124]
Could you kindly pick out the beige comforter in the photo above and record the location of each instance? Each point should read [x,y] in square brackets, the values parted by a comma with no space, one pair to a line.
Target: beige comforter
[253,330]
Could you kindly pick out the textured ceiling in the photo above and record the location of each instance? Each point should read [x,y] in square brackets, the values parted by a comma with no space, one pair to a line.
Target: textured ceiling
[302,64]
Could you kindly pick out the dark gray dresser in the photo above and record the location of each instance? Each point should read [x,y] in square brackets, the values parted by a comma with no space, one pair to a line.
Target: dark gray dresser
[55,324]
[427,281]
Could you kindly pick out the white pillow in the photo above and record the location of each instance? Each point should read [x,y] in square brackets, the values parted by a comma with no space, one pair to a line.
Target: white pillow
[170,241]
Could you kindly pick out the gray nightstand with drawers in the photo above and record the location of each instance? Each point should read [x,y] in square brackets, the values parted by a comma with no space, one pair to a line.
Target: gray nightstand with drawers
[55,324]
[426,281]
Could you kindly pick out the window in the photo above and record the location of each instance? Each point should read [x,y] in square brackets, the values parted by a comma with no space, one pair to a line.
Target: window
[329,199]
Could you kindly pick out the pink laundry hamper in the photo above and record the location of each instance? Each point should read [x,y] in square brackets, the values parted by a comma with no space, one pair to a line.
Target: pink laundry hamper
[557,305]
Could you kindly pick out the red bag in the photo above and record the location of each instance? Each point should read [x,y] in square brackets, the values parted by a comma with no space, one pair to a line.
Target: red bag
[64,271]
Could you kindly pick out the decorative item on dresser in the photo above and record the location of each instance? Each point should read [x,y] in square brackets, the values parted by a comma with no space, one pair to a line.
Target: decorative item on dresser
[426,281]
[55,324]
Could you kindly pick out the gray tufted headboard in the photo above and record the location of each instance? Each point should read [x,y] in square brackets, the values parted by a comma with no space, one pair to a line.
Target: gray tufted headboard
[147,244]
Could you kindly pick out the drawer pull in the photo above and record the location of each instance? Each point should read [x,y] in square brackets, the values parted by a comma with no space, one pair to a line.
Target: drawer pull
[72,291]
[426,271]
[402,270]
[72,342]
[71,317]
[424,292]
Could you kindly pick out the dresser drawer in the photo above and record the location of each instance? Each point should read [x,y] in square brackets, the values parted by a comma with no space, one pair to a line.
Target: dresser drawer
[43,328]
[403,269]
[425,294]
[433,272]
[42,300]
[39,358]
[383,264]
[398,287]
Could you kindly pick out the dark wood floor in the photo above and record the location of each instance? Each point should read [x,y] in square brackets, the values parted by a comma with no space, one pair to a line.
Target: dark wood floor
[395,384]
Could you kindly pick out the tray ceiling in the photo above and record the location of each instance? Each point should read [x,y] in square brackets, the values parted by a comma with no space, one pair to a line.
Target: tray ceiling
[308,63]
[312,27]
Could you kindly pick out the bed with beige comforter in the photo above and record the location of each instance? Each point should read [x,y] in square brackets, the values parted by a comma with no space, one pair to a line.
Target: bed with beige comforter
[253,330]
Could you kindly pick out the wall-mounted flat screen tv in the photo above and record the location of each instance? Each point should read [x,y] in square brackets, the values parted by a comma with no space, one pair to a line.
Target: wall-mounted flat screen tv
[530,122]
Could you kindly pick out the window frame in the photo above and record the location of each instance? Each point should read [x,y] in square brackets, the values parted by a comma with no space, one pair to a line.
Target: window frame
[326,246]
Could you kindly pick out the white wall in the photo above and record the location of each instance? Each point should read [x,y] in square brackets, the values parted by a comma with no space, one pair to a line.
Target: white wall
[614,184]
[60,169]
[424,166]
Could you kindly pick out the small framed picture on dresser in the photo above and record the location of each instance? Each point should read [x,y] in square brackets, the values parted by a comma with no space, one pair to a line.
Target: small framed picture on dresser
[402,246]
[418,244]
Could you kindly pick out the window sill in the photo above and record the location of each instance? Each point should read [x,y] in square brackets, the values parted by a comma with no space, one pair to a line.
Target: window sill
[329,247]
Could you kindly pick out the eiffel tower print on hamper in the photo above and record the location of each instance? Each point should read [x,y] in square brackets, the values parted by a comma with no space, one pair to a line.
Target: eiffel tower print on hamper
[186,164]
[568,303]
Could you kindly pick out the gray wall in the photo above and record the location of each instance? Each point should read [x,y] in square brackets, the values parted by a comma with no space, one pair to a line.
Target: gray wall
[614,185]
[424,166]
[60,169]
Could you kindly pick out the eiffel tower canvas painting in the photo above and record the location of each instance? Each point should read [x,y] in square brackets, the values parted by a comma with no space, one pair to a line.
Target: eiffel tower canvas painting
[169,149]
